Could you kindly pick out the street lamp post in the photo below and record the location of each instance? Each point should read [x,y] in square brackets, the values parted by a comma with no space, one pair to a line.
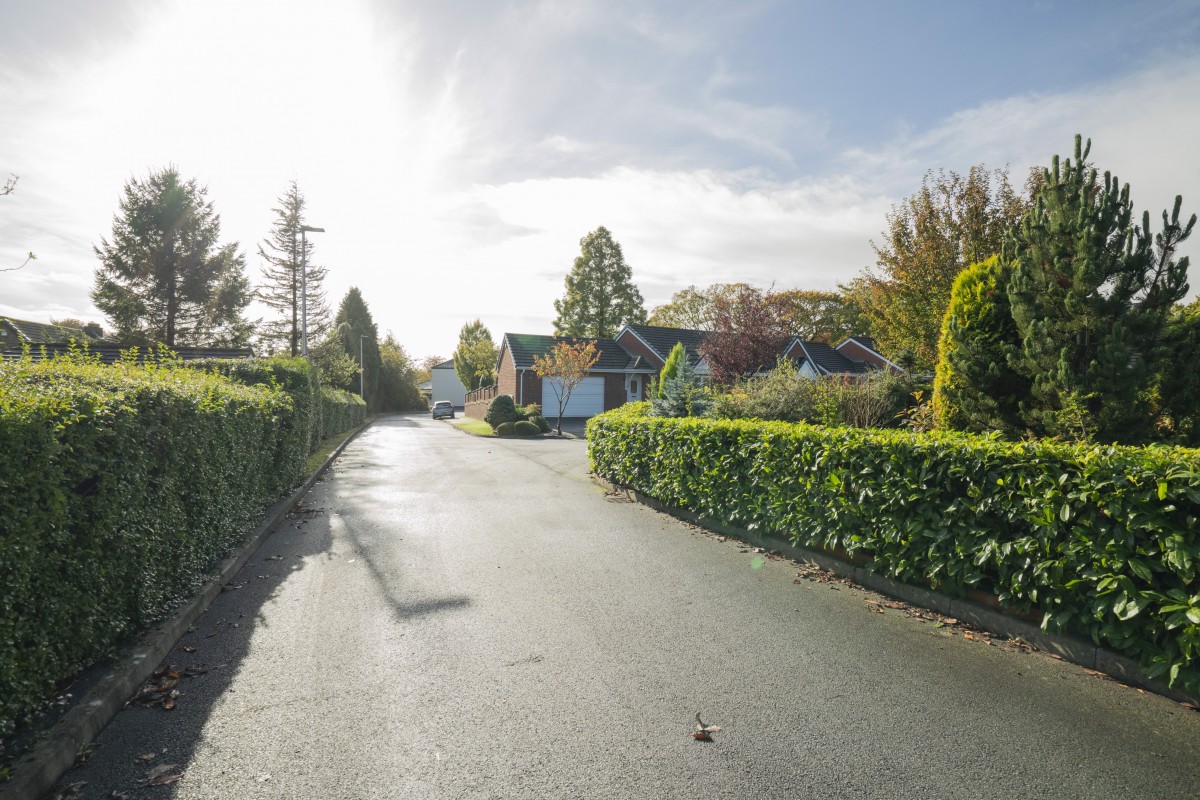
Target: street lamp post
[304,286]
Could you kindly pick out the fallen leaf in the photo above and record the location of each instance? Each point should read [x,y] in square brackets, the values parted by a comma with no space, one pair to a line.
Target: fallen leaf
[275,557]
[264,777]
[145,758]
[71,790]
[163,775]
[188,648]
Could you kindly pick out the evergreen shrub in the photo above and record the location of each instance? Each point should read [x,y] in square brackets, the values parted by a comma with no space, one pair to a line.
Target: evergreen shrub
[506,429]
[526,427]
[542,423]
[1102,541]
[502,409]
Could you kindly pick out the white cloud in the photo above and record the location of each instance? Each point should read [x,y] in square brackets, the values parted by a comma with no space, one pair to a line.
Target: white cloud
[456,172]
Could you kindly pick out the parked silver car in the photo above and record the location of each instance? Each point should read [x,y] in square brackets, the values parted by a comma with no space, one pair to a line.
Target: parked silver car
[443,408]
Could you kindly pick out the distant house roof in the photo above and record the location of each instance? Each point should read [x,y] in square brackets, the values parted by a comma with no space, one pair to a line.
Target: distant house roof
[825,359]
[524,347]
[662,340]
[448,364]
[26,332]
[110,353]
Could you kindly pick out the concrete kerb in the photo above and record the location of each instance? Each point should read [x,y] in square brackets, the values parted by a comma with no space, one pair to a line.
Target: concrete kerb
[37,772]
[1085,654]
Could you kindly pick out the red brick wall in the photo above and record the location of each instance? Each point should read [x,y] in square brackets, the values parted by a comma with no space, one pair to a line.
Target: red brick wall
[614,391]
[506,374]
[634,345]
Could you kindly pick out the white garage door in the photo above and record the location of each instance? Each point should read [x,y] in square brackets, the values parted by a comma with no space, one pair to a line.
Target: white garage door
[587,399]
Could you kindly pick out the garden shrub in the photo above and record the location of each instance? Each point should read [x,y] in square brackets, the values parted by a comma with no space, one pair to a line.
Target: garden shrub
[524,427]
[506,429]
[874,400]
[542,423]
[975,389]
[122,487]
[1103,541]
[502,409]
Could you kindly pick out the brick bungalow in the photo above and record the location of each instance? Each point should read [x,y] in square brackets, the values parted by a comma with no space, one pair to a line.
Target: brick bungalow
[637,354]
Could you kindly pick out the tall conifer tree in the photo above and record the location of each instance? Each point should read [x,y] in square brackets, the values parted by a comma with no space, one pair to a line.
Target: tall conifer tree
[282,279]
[165,277]
[600,295]
[355,328]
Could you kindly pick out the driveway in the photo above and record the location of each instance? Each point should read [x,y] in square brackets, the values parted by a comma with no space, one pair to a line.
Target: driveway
[456,617]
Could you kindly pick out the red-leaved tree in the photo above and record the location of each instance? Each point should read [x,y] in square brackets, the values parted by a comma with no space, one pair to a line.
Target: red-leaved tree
[749,332]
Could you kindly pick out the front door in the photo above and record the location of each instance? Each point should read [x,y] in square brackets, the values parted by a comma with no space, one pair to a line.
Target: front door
[635,388]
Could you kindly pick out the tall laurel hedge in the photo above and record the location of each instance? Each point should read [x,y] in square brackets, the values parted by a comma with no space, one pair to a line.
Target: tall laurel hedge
[122,486]
[1104,542]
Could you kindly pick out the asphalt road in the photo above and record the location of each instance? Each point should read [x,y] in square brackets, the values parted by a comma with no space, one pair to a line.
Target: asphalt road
[456,617]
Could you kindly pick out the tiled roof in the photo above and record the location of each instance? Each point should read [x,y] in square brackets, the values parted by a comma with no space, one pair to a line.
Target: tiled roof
[662,340]
[444,365]
[109,353]
[831,361]
[866,341]
[39,332]
[525,346]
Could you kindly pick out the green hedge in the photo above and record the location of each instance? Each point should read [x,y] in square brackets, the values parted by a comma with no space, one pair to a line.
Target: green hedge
[119,488]
[1104,542]
[340,411]
[122,486]
[301,431]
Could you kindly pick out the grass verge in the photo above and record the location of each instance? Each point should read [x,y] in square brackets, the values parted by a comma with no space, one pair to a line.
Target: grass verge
[475,427]
[327,447]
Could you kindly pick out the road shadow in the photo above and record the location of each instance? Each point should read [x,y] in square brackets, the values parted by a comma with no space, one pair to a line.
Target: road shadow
[143,738]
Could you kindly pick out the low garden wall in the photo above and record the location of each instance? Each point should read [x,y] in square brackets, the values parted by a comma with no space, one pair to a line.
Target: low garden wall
[1101,542]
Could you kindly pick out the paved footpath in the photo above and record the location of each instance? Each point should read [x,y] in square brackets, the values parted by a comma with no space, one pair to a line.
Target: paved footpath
[455,617]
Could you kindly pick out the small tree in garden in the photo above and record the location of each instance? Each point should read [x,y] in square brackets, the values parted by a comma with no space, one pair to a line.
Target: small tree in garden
[670,368]
[748,334]
[974,388]
[678,394]
[566,365]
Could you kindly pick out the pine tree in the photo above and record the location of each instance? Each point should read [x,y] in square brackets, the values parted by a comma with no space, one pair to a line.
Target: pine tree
[600,295]
[356,330]
[165,277]
[974,388]
[1091,292]
[1179,388]
[282,279]
[475,356]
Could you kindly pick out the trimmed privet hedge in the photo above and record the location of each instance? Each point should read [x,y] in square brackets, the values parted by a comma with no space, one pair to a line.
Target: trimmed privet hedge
[122,486]
[1103,542]
[301,431]
[119,487]
[340,411]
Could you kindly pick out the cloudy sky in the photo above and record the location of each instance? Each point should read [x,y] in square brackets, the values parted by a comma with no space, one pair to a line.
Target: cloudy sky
[456,151]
